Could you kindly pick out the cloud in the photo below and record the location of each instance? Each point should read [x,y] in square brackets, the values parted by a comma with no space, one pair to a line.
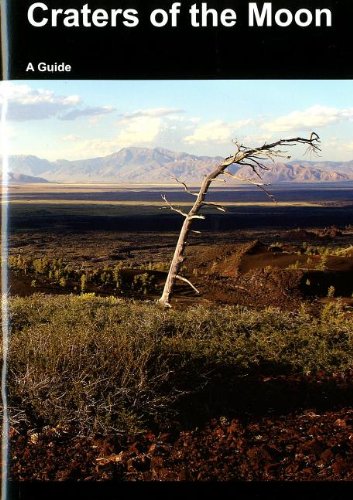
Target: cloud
[88,111]
[24,94]
[140,130]
[308,119]
[216,131]
[88,148]
[71,138]
[152,113]
[26,103]
[143,129]
[145,126]
[253,140]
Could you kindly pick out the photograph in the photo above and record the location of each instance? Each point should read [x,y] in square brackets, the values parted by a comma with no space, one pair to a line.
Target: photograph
[177,279]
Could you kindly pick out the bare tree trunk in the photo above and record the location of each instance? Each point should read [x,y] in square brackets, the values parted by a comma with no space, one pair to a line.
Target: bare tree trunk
[176,263]
[178,257]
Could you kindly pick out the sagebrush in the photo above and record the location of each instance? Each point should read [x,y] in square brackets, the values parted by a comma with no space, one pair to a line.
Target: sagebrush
[107,364]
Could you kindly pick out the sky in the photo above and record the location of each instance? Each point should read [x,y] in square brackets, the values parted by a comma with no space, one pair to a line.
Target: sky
[72,120]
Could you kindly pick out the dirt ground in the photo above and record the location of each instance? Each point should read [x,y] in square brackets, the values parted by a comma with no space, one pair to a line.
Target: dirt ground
[300,429]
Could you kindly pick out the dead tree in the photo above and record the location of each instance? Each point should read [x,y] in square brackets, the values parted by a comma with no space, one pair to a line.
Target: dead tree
[244,156]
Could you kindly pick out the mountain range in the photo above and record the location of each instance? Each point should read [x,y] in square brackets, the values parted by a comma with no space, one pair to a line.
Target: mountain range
[161,166]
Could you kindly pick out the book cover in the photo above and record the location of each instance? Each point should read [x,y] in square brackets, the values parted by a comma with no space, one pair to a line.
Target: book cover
[177,263]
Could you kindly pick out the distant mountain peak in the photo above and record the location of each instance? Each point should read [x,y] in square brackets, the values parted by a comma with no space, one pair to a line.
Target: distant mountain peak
[161,165]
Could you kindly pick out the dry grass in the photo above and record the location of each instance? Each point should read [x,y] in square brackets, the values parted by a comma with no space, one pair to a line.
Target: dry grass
[104,364]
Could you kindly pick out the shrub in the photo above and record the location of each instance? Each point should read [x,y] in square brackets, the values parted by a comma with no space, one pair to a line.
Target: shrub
[322,264]
[62,282]
[83,283]
[107,364]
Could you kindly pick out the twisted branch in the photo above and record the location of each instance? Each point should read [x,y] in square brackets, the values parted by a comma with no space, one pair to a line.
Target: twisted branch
[172,207]
[185,186]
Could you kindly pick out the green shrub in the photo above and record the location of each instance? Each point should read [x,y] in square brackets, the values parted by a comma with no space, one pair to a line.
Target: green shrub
[83,283]
[62,282]
[322,264]
[296,265]
[108,364]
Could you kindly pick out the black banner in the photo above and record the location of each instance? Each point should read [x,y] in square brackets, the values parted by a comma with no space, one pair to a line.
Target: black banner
[130,39]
